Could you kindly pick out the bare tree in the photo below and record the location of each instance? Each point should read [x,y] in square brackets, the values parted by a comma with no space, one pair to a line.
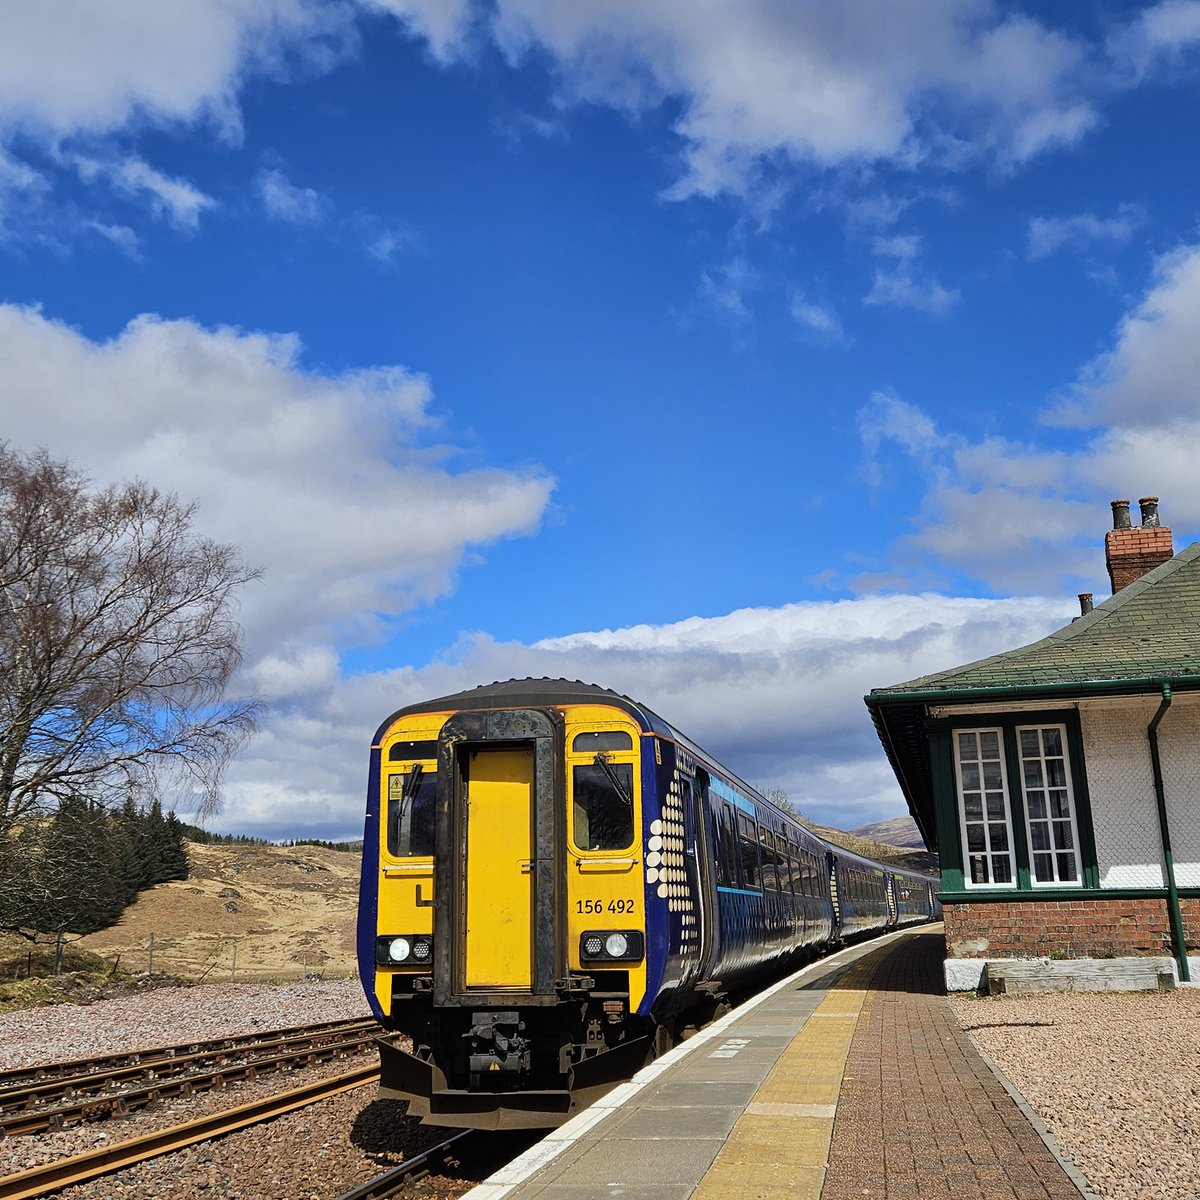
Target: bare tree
[117,641]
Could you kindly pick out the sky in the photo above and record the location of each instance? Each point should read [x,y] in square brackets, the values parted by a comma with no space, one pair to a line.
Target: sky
[739,355]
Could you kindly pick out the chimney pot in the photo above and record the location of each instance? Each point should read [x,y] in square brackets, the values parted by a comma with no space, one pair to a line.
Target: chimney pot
[1129,553]
[1085,603]
[1121,514]
[1149,506]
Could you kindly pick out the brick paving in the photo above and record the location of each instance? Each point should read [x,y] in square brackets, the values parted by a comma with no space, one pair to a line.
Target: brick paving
[920,1115]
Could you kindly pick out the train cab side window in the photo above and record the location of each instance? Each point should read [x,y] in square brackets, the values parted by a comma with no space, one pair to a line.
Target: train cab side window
[602,739]
[412,799]
[603,805]
[750,852]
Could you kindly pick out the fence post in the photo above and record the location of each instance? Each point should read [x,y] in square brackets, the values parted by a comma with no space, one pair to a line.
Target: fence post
[233,972]
[150,958]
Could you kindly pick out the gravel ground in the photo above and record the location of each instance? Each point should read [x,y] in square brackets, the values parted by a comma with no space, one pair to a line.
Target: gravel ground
[319,1151]
[1115,1076]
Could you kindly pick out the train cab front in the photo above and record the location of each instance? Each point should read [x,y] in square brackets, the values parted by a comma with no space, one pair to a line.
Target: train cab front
[510,943]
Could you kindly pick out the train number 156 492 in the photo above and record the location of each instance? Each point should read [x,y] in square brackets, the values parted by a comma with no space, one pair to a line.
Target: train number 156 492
[600,906]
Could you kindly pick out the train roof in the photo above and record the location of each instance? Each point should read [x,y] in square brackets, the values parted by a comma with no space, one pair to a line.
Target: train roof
[534,693]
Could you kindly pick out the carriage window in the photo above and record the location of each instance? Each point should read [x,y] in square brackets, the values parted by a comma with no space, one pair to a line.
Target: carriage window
[603,739]
[603,805]
[748,845]
[726,852]
[412,798]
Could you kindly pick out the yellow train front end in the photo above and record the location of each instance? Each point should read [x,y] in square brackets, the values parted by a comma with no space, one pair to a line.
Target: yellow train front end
[502,936]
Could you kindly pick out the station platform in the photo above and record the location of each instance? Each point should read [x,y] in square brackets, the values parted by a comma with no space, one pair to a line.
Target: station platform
[849,1080]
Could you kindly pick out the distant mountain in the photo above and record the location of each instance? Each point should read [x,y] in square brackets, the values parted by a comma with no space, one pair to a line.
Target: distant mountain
[899,831]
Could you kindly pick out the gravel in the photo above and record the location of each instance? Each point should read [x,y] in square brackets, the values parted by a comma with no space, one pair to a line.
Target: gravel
[319,1151]
[1114,1076]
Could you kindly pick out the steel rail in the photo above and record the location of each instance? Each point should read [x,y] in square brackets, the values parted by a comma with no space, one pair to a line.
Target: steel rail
[20,1077]
[104,1095]
[411,1169]
[39,1181]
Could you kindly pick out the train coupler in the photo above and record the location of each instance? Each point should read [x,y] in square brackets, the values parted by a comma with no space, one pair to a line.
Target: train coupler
[496,1047]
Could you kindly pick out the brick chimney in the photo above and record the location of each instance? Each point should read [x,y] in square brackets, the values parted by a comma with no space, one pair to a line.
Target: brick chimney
[1132,550]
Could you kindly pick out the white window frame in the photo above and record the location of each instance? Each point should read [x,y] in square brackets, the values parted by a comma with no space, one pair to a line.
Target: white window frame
[1048,820]
[1012,883]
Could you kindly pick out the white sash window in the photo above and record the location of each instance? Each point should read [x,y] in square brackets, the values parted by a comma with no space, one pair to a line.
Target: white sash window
[1049,805]
[983,808]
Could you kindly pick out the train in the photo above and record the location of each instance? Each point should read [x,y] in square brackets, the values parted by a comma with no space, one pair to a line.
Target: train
[558,885]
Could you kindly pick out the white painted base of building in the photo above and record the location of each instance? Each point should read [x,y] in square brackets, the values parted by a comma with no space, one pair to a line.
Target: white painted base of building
[1012,976]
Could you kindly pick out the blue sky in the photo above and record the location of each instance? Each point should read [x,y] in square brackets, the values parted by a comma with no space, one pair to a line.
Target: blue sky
[738,355]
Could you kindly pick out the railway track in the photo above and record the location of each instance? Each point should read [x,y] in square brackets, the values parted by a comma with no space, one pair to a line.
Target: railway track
[54,1095]
[399,1179]
[38,1181]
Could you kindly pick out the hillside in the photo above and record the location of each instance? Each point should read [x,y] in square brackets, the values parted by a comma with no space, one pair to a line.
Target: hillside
[901,856]
[284,912]
[899,831]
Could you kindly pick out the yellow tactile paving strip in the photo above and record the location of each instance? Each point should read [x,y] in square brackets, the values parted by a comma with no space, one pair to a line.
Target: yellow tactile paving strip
[761,1161]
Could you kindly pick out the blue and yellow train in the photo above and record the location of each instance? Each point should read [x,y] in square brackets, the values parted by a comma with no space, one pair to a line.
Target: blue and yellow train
[557,884]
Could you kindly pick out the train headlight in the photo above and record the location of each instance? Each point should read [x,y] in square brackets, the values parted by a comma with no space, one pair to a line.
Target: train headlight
[407,950]
[617,945]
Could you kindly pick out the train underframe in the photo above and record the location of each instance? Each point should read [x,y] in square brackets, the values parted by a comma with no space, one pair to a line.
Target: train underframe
[526,1066]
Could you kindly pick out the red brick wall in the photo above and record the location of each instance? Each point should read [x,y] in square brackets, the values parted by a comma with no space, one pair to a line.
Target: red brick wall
[1072,928]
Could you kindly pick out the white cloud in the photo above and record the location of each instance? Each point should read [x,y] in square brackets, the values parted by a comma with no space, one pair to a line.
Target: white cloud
[68,68]
[284,201]
[177,200]
[904,285]
[1158,35]
[1048,235]
[330,482]
[819,321]
[826,85]
[1019,515]
[775,694]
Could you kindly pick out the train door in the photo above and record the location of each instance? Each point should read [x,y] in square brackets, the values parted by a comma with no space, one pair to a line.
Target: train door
[700,851]
[498,901]
[498,927]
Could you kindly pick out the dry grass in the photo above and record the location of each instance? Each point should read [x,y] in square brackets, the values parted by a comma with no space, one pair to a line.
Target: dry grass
[293,914]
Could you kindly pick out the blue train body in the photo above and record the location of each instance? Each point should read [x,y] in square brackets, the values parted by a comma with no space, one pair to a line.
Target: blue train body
[589,884]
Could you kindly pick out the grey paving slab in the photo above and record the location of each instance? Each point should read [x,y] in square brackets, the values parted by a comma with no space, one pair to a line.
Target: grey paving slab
[636,1162]
[686,1091]
[680,1120]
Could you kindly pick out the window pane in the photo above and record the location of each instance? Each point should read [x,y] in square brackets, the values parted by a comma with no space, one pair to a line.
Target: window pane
[975,840]
[995,806]
[1030,746]
[1052,739]
[1043,868]
[967,747]
[1037,806]
[1066,867]
[979,871]
[603,812]
[1059,804]
[973,807]
[1062,835]
[970,777]
[1003,869]
[411,807]
[1056,769]
[604,739]
[992,777]
[989,744]
[999,837]
[1039,836]
[1032,771]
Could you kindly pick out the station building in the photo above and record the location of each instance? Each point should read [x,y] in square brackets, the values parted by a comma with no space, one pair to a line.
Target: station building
[1060,785]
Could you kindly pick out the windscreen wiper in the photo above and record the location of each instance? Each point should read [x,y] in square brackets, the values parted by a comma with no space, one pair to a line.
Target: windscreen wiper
[603,763]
